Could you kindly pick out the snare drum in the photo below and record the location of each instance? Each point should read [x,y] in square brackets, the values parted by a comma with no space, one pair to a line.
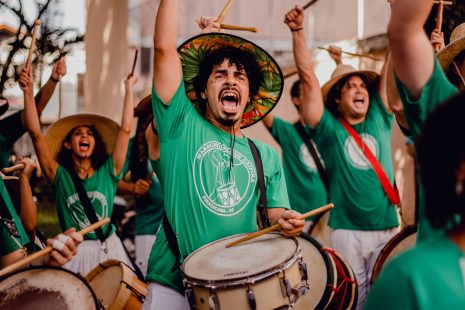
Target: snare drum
[320,229]
[116,286]
[402,241]
[50,288]
[331,281]
[264,273]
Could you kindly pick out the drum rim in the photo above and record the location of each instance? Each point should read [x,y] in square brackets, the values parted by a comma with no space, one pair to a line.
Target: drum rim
[328,293]
[388,247]
[79,276]
[221,284]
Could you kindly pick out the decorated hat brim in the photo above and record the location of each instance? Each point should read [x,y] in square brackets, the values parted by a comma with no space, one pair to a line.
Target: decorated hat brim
[57,132]
[194,50]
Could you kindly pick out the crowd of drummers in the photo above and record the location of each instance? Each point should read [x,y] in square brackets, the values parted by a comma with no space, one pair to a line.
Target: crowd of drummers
[224,222]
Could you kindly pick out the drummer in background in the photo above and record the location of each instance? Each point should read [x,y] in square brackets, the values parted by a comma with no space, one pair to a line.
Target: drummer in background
[206,166]
[80,145]
[141,161]
[421,82]
[432,275]
[12,127]
[13,228]
[363,218]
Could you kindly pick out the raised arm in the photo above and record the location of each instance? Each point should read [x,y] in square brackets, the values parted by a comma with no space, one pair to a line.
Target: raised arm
[167,69]
[392,95]
[153,142]
[411,50]
[31,119]
[28,207]
[46,92]
[120,148]
[312,105]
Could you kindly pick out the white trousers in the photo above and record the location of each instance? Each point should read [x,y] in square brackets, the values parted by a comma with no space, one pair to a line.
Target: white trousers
[90,254]
[361,249]
[144,245]
[160,297]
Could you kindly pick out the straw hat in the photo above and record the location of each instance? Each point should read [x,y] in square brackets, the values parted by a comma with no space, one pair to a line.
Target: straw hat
[57,132]
[193,52]
[343,71]
[455,46]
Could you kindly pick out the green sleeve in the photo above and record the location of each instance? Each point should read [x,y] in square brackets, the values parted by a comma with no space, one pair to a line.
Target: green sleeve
[276,190]
[324,133]
[277,129]
[437,89]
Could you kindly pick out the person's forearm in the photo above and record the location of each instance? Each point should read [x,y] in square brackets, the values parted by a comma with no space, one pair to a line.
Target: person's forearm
[30,116]
[44,95]
[126,188]
[28,207]
[128,109]
[166,25]
[408,16]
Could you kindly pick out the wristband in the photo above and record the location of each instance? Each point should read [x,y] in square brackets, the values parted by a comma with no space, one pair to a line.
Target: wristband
[297,29]
[57,80]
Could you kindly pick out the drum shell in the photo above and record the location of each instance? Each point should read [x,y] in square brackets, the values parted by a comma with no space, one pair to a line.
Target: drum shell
[267,286]
[72,285]
[320,229]
[129,292]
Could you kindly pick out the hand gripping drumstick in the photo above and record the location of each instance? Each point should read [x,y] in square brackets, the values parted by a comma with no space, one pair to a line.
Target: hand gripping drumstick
[49,249]
[224,11]
[277,226]
[33,42]
[14,168]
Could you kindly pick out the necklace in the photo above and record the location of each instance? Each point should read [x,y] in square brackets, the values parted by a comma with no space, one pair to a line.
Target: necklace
[86,170]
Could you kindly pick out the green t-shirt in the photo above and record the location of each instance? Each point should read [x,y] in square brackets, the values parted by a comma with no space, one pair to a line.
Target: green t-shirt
[437,89]
[100,188]
[430,276]
[205,199]
[360,202]
[7,244]
[305,188]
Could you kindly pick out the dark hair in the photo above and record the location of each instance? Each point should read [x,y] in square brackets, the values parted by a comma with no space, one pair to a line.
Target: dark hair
[295,89]
[139,149]
[440,151]
[335,92]
[240,58]
[451,73]
[98,157]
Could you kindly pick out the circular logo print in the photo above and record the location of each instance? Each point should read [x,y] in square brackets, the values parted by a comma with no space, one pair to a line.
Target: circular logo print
[356,156]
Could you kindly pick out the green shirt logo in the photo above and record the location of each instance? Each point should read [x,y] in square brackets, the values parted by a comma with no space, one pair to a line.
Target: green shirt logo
[355,155]
[307,158]
[215,176]
[99,202]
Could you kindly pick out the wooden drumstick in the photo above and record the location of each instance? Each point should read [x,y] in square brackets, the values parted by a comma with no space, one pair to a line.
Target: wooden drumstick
[277,226]
[437,46]
[240,28]
[14,168]
[33,42]
[353,54]
[309,4]
[224,11]
[49,249]
[134,63]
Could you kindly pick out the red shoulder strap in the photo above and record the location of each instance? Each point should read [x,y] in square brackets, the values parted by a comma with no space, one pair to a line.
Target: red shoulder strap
[391,191]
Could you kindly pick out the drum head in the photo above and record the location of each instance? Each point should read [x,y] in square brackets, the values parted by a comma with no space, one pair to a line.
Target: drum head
[215,262]
[47,288]
[105,281]
[320,273]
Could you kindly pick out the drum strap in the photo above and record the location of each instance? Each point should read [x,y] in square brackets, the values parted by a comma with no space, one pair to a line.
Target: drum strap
[313,152]
[391,191]
[86,204]
[172,242]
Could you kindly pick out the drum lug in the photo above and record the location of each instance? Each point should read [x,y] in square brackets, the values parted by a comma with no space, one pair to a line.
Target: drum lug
[213,300]
[303,269]
[190,297]
[139,296]
[286,288]
[251,299]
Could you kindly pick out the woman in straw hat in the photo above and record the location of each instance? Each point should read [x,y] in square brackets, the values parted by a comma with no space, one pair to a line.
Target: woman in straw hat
[421,82]
[91,149]
[364,217]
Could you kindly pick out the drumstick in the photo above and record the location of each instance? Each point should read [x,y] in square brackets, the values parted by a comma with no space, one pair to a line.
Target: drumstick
[353,54]
[49,249]
[277,226]
[234,27]
[14,168]
[134,63]
[224,11]
[33,42]
[312,2]
[437,46]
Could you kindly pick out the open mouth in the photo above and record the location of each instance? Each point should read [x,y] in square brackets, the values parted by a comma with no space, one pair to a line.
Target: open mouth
[84,146]
[359,102]
[230,100]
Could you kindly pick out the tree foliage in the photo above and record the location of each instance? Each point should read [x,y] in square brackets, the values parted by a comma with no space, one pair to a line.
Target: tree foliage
[52,42]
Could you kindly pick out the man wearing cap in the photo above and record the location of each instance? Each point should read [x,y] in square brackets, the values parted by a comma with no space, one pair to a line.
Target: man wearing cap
[12,127]
[421,82]
[206,168]
[363,218]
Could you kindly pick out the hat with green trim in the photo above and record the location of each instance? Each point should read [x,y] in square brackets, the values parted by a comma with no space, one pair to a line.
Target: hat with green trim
[194,51]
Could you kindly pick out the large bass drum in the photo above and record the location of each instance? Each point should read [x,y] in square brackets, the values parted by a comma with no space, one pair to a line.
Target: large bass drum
[264,273]
[49,288]
[401,242]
